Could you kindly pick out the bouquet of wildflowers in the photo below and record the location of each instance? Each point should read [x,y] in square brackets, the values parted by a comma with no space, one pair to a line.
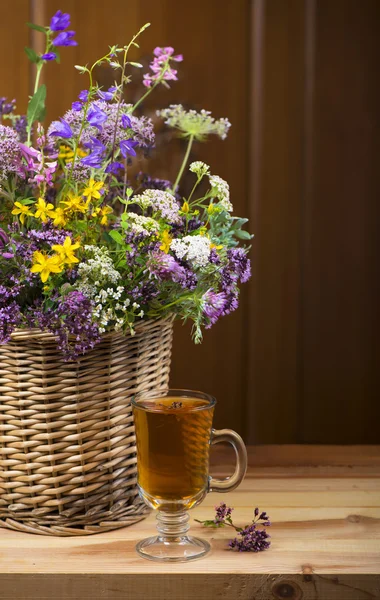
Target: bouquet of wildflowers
[85,248]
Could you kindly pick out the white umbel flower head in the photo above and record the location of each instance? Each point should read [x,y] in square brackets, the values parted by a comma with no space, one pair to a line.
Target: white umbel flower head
[221,190]
[199,168]
[194,248]
[160,201]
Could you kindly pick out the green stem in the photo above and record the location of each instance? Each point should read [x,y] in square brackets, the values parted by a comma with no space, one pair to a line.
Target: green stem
[39,69]
[149,91]
[184,162]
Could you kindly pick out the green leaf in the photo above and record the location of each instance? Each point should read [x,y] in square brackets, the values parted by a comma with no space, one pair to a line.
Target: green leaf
[26,201]
[32,55]
[36,106]
[116,236]
[242,235]
[58,59]
[37,27]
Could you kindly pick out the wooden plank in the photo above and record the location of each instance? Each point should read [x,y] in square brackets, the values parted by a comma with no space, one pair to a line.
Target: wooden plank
[188,587]
[321,527]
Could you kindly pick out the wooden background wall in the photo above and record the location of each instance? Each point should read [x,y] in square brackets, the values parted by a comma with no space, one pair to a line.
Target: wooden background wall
[299,361]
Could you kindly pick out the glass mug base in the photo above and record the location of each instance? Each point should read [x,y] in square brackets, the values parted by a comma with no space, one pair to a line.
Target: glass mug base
[172,544]
[166,549]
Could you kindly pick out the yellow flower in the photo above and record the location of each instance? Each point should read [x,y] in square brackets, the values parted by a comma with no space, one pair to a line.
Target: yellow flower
[66,153]
[185,207]
[75,204]
[92,190]
[44,210]
[44,265]
[59,217]
[166,239]
[66,251]
[104,212]
[22,210]
[211,209]
[216,247]
[95,212]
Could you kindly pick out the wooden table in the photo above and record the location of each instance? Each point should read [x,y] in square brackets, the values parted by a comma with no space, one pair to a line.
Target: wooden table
[324,503]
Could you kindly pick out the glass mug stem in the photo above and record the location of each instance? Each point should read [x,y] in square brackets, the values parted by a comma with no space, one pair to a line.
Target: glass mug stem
[173,437]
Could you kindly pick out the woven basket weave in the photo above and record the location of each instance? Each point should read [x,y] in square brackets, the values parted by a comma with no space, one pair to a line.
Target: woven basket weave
[67,440]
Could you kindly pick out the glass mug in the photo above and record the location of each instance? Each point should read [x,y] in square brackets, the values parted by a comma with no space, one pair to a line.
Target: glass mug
[173,437]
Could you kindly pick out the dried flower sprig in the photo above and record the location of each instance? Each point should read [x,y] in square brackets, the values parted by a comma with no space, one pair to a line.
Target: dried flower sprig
[251,538]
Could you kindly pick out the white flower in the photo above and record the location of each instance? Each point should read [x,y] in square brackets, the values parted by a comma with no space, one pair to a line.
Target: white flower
[198,124]
[194,248]
[161,202]
[141,224]
[221,190]
[199,168]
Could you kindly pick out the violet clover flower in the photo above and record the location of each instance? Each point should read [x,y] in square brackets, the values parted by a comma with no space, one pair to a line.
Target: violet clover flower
[59,21]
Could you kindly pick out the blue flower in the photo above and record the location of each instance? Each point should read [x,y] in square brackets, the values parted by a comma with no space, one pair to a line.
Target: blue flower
[96,117]
[114,167]
[83,95]
[126,121]
[95,158]
[60,21]
[49,56]
[62,129]
[127,147]
[77,105]
[107,96]
[65,39]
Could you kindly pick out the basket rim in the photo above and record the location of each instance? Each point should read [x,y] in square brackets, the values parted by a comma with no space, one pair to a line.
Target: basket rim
[40,334]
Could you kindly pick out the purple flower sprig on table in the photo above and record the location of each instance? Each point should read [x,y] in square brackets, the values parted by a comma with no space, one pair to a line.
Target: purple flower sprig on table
[251,539]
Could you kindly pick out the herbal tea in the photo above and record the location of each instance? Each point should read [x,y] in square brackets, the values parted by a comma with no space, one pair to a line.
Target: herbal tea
[173,435]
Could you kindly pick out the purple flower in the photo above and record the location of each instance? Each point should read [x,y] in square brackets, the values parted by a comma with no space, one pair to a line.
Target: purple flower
[60,21]
[10,317]
[96,116]
[222,512]
[107,96]
[77,105]
[10,156]
[49,56]
[161,66]
[127,147]
[95,158]
[6,107]
[65,39]
[20,125]
[61,129]
[126,121]
[83,95]
[239,264]
[251,540]
[4,239]
[214,305]
[8,255]
[114,167]
[166,268]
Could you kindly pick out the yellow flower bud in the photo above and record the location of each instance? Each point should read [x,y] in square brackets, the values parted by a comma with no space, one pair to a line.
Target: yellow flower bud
[185,207]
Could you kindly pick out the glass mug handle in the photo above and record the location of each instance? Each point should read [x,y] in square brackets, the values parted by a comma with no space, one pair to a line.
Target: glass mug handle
[233,438]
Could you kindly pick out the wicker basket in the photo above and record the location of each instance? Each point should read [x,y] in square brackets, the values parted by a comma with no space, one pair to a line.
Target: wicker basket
[67,442]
